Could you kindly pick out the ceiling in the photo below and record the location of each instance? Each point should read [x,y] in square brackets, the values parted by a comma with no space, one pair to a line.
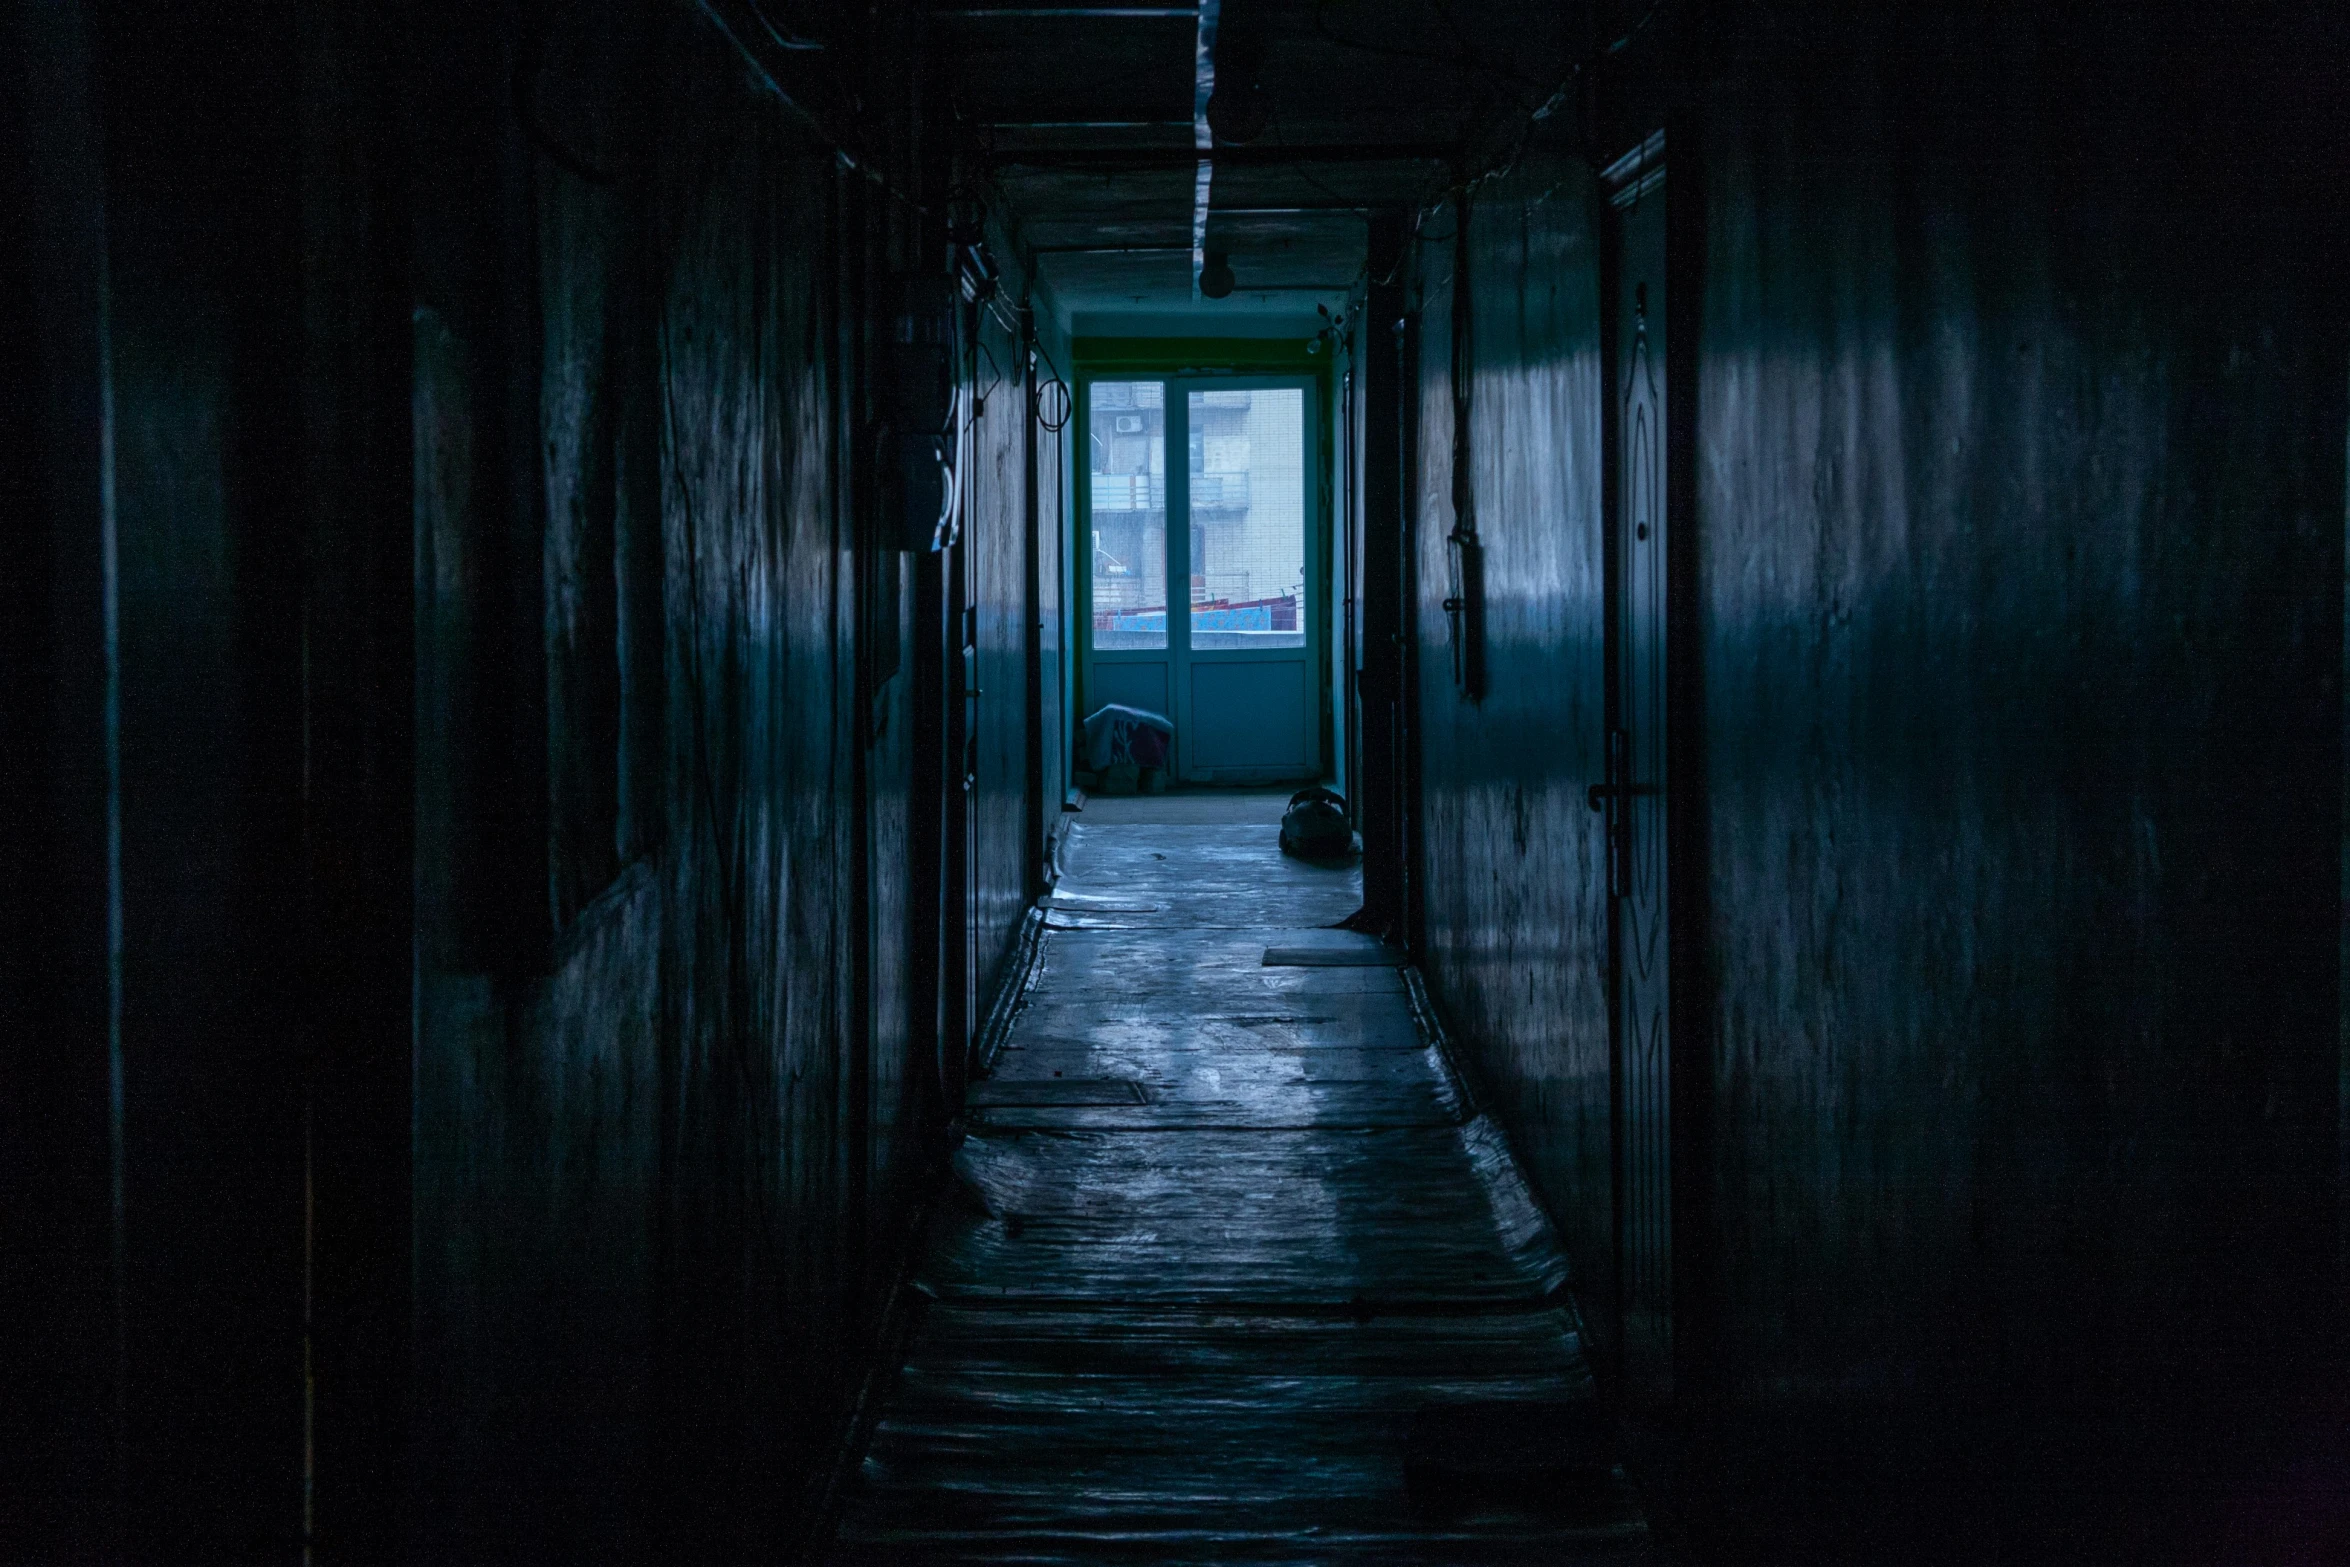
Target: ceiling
[1091,120]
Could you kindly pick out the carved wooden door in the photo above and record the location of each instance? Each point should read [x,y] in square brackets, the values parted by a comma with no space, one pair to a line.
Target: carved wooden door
[1636,793]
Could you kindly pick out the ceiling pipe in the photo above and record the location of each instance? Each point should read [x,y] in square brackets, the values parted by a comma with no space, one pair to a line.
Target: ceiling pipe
[1203,139]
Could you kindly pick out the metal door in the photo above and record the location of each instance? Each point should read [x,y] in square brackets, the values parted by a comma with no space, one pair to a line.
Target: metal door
[1640,546]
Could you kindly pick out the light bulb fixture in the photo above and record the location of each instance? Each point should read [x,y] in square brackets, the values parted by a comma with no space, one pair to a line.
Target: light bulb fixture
[1215,278]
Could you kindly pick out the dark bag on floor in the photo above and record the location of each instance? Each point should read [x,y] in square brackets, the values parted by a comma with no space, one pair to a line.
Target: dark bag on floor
[1314,827]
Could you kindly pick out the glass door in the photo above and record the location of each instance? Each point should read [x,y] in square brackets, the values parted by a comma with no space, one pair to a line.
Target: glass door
[1248,685]
[1202,588]
[1122,529]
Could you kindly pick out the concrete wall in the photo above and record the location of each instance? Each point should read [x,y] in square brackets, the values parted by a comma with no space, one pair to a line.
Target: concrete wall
[2009,1026]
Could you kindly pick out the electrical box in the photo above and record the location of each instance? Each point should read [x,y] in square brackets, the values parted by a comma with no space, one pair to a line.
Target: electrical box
[920,354]
[916,365]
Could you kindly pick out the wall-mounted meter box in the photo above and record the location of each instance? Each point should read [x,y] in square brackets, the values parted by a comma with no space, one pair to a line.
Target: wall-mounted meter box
[917,406]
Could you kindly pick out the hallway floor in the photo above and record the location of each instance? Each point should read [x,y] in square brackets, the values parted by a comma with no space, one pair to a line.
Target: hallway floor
[1233,1272]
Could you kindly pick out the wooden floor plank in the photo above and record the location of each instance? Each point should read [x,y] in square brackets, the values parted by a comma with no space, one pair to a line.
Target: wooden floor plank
[1229,1252]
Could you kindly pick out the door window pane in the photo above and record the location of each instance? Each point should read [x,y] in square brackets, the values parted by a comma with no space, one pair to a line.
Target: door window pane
[1248,518]
[1127,446]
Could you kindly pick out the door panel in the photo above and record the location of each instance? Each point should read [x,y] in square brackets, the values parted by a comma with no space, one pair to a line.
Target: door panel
[1130,685]
[1232,533]
[1637,632]
[1127,652]
[1126,506]
[1250,715]
[1248,517]
[1249,535]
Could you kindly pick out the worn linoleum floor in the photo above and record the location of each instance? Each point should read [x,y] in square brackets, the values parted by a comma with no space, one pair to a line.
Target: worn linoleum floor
[1233,1272]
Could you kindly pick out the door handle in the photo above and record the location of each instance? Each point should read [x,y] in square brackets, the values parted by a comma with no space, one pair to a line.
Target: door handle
[1608,798]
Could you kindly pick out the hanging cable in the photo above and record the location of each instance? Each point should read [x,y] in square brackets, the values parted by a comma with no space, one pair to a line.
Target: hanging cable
[988,201]
[848,159]
[1065,401]
[1282,141]
[529,59]
[997,370]
[947,529]
[782,40]
[1420,57]
[1569,91]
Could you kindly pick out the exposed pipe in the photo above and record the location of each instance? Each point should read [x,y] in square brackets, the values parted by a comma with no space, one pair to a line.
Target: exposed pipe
[1202,137]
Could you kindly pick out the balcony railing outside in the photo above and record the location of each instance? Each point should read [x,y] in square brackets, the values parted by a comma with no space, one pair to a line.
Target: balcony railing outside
[1129,492]
[1219,492]
[1148,492]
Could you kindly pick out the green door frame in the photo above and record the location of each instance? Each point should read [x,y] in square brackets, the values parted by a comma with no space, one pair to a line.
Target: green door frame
[1174,361]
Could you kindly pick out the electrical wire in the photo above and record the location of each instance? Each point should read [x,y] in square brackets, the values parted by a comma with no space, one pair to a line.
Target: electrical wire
[783,40]
[1012,327]
[849,160]
[529,60]
[1570,90]
[948,528]
[1067,401]
[1010,324]
[988,354]
[1068,398]
[1416,56]
[1281,140]
[989,201]
[1559,96]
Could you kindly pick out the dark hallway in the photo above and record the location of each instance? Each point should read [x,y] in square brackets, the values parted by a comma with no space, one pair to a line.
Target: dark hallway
[1227,1250]
[660,654]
